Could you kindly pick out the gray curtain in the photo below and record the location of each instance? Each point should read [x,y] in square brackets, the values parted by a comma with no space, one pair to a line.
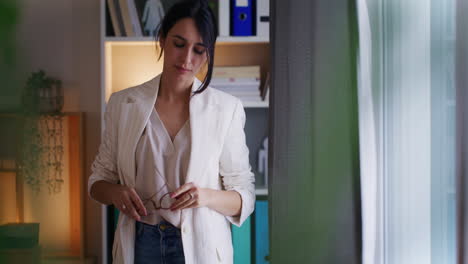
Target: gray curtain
[314,189]
[462,129]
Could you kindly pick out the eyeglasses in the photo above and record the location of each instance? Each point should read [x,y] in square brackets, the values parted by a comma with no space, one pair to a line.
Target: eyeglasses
[151,204]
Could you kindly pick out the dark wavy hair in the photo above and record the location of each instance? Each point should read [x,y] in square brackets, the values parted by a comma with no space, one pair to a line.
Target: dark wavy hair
[205,22]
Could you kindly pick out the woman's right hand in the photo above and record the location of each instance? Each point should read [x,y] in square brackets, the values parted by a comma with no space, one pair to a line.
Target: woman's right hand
[127,201]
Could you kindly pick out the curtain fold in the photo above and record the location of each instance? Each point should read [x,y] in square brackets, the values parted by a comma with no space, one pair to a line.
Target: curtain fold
[462,129]
[314,190]
[367,138]
[408,214]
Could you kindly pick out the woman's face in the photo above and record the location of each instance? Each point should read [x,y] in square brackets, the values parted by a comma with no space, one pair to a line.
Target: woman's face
[184,51]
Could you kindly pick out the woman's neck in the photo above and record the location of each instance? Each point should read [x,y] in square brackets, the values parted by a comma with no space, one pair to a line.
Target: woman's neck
[174,91]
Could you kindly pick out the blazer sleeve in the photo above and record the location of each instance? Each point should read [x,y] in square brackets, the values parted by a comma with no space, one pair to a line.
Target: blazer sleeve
[234,167]
[104,166]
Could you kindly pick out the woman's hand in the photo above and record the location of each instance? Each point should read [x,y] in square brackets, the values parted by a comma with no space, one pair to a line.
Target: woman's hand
[227,203]
[128,202]
[190,196]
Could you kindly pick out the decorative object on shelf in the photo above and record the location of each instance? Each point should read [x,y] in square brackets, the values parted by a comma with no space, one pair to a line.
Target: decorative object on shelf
[135,18]
[263,161]
[151,12]
[41,150]
[42,94]
[152,16]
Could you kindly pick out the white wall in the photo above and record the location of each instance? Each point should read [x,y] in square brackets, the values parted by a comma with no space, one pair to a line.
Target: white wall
[62,37]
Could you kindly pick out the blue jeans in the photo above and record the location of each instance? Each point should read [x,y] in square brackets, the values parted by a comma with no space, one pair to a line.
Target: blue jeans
[161,244]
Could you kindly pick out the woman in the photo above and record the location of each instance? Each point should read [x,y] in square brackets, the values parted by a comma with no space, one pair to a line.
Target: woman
[174,159]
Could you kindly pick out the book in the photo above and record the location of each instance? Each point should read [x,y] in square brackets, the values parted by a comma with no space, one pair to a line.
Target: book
[236,81]
[267,95]
[125,12]
[266,88]
[250,97]
[239,90]
[236,72]
[237,85]
[109,27]
[252,88]
[240,81]
[117,22]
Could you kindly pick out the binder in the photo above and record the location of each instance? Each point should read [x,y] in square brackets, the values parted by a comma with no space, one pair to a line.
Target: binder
[263,18]
[125,12]
[116,16]
[223,18]
[242,18]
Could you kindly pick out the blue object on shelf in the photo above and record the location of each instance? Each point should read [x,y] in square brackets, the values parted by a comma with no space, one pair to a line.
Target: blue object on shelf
[241,243]
[242,18]
[262,243]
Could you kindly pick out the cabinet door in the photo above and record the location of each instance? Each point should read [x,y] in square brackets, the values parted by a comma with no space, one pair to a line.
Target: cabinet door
[241,241]
[261,232]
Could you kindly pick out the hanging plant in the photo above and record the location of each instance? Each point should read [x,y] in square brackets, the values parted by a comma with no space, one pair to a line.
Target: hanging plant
[41,152]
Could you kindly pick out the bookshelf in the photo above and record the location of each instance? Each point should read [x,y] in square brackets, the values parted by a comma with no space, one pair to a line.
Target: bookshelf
[129,61]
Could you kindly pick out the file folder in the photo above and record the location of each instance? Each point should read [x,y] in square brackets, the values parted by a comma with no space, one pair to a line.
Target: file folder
[242,18]
[263,17]
[224,18]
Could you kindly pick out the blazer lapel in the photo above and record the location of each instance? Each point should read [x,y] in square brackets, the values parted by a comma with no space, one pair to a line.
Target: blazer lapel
[202,123]
[136,110]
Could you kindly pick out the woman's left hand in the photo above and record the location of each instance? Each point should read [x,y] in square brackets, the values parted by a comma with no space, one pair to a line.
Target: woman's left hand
[190,196]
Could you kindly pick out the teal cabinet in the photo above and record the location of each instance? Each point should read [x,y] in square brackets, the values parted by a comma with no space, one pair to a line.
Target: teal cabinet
[241,241]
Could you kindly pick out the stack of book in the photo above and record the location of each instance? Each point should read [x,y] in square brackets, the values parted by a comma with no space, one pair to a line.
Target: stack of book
[134,18]
[240,81]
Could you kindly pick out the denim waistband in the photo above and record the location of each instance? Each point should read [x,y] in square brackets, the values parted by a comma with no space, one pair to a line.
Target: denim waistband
[164,227]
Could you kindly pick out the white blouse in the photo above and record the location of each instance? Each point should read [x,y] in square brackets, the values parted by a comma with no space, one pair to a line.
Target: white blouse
[161,167]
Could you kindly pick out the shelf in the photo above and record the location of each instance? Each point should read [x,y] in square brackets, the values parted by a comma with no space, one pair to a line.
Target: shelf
[236,40]
[151,40]
[262,191]
[255,104]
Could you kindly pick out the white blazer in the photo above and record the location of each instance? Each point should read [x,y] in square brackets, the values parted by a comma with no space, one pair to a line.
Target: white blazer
[219,159]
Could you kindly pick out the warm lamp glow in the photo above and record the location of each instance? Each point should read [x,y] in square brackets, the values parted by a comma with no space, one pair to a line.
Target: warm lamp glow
[128,65]
[8,202]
